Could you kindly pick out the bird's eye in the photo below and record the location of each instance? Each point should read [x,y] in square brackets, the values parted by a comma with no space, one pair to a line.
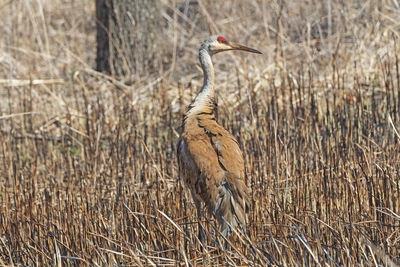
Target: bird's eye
[222,40]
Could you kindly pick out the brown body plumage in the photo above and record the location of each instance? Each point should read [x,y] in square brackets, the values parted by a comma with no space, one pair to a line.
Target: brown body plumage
[210,160]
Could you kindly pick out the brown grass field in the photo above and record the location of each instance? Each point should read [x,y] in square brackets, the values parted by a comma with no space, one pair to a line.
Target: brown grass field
[88,169]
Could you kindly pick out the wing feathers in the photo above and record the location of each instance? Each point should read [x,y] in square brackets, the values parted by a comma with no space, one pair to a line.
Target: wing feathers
[217,156]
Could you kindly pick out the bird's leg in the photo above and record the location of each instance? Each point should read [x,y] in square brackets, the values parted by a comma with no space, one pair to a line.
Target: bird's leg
[225,231]
[202,236]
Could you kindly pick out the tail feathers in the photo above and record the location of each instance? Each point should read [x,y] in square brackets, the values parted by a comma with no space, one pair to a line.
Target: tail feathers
[230,209]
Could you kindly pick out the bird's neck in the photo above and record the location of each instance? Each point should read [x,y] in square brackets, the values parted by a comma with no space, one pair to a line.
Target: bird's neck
[208,72]
[205,100]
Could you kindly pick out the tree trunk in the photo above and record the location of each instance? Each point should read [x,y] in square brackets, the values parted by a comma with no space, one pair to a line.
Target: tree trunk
[102,26]
[128,36]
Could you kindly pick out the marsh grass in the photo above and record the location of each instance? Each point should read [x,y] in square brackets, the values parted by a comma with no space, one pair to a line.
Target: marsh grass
[88,164]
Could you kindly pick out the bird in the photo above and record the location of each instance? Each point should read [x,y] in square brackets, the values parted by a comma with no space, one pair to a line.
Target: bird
[210,161]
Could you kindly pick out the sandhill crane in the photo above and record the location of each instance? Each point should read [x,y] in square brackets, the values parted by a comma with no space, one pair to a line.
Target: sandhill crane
[210,161]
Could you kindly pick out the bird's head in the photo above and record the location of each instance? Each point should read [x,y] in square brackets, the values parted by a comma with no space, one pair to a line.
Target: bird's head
[216,44]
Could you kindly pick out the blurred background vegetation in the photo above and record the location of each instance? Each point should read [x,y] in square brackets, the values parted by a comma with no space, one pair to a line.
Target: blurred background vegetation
[87,146]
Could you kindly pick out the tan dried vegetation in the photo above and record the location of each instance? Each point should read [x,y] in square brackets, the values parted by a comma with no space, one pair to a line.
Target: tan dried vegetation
[88,164]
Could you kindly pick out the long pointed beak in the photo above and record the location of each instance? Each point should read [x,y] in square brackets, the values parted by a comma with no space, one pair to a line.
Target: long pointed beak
[244,48]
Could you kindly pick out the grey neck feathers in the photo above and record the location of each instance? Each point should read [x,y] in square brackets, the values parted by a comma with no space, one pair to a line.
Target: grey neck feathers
[206,95]
[208,71]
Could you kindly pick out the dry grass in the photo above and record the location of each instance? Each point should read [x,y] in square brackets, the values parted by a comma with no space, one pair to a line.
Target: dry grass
[87,164]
